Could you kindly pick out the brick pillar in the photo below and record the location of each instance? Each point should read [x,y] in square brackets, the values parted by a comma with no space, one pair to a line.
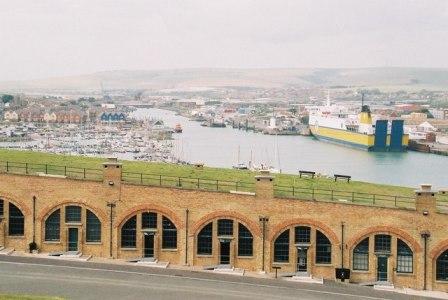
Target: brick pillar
[112,172]
[425,200]
[264,185]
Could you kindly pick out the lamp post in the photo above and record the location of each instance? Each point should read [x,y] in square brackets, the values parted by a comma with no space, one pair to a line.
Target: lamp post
[111,205]
[263,221]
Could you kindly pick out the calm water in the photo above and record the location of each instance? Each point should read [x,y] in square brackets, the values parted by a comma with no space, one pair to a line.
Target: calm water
[219,147]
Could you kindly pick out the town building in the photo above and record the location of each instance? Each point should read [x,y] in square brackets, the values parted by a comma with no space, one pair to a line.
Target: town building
[108,212]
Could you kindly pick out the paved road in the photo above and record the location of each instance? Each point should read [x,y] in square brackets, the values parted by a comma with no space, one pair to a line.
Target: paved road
[88,280]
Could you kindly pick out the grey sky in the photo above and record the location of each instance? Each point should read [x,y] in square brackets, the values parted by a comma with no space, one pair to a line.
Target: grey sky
[42,38]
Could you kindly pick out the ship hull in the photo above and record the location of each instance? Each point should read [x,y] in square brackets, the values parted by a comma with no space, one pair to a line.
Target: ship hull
[355,140]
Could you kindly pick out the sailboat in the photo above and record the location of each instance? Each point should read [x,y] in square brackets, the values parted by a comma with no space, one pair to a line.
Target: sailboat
[239,165]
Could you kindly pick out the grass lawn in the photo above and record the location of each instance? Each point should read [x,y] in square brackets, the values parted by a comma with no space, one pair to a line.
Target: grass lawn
[205,173]
[27,297]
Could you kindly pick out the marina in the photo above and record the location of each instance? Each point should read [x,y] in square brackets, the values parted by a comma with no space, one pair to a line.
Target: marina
[218,147]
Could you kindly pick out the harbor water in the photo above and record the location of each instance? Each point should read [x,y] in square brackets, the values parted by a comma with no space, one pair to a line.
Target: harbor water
[219,147]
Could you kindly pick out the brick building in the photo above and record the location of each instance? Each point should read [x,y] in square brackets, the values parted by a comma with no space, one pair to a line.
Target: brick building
[109,216]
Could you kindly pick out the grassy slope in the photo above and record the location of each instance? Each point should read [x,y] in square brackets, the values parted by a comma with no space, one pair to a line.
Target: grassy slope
[27,297]
[206,173]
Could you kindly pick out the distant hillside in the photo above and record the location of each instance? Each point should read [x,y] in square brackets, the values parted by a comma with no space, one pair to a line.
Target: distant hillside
[412,78]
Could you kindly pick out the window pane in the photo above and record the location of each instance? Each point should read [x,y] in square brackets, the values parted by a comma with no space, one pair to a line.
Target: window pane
[16,221]
[382,243]
[52,226]
[404,257]
[169,234]
[303,234]
[129,233]
[281,247]
[225,227]
[442,267]
[323,249]
[73,214]
[361,256]
[93,231]
[205,237]
[149,220]
[245,241]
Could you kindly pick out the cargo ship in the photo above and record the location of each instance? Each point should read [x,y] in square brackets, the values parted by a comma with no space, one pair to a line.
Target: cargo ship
[334,124]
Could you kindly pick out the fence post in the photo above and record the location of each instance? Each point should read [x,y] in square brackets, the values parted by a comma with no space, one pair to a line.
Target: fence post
[26,168]
[293,191]
[217,185]
[395,201]
[65,171]
[312,194]
[160,180]
[332,196]
[353,196]
[84,173]
[141,178]
[236,186]
[179,183]
[373,199]
[198,182]
[46,169]
[7,167]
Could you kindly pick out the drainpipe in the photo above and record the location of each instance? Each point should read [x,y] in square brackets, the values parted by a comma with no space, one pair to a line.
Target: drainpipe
[425,235]
[111,205]
[342,248]
[263,220]
[34,219]
[186,235]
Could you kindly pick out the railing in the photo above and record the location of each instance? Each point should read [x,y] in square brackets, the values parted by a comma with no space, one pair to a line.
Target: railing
[187,183]
[48,169]
[303,193]
[442,202]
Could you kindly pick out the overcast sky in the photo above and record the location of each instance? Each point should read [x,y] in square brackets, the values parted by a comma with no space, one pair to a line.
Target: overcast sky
[42,38]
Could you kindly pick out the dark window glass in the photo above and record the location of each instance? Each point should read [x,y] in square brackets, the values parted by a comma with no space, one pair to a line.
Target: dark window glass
[73,214]
[149,220]
[303,234]
[16,221]
[323,249]
[281,247]
[382,243]
[93,231]
[169,234]
[52,226]
[361,256]
[205,237]
[404,257]
[129,233]
[245,241]
[225,227]
[1,207]
[442,267]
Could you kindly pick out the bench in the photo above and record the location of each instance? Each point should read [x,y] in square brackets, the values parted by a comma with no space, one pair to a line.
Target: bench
[345,177]
[308,173]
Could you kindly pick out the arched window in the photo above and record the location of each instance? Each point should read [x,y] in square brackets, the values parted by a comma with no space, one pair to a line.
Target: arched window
[281,247]
[169,234]
[205,237]
[129,233]
[52,226]
[245,241]
[1,207]
[93,228]
[361,256]
[16,221]
[323,249]
[302,235]
[404,257]
[442,267]
[149,220]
